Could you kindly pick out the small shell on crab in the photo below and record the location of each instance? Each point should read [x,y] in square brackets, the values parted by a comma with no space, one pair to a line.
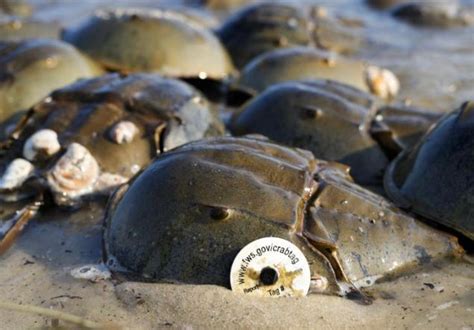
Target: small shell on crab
[42,144]
[75,174]
[382,82]
[123,132]
[107,182]
[16,173]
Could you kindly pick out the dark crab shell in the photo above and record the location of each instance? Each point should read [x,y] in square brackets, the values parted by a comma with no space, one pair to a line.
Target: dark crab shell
[220,5]
[435,13]
[435,178]
[160,40]
[398,127]
[166,113]
[266,26]
[307,115]
[31,69]
[185,218]
[260,27]
[305,63]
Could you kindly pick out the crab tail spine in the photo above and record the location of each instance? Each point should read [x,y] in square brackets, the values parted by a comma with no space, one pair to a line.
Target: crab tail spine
[19,221]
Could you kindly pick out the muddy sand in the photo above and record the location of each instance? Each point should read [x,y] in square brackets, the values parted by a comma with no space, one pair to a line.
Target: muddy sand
[36,271]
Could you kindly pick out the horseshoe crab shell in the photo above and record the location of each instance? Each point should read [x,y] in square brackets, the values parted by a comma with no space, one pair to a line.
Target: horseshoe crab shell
[433,13]
[304,63]
[303,115]
[14,28]
[159,41]
[33,68]
[258,28]
[164,112]
[178,222]
[434,179]
[398,127]
[266,26]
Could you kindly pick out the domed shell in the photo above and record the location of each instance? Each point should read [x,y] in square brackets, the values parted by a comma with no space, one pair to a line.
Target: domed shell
[304,63]
[304,115]
[159,41]
[32,69]
[435,178]
[13,28]
[261,27]
[196,206]
[435,13]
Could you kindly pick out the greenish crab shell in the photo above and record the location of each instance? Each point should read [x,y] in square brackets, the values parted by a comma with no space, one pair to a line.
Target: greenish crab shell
[31,69]
[318,116]
[14,28]
[122,121]
[258,28]
[185,218]
[434,178]
[160,41]
[265,26]
[307,63]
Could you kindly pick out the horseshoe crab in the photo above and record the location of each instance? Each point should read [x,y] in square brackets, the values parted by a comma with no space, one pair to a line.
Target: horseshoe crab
[160,41]
[434,179]
[266,26]
[88,137]
[177,221]
[384,4]
[300,63]
[304,115]
[439,14]
[31,69]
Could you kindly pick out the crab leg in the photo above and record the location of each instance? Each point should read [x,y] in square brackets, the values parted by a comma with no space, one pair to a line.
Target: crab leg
[19,220]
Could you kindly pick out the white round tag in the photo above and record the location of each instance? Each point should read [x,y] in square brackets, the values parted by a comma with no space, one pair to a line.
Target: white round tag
[270,267]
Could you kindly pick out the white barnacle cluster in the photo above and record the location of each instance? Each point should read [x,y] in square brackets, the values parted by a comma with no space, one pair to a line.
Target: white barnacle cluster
[41,145]
[75,174]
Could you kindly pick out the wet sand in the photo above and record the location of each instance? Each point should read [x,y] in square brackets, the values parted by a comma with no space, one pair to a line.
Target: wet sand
[36,271]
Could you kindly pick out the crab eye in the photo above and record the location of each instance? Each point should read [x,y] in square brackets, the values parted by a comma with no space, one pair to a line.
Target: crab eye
[310,113]
[219,213]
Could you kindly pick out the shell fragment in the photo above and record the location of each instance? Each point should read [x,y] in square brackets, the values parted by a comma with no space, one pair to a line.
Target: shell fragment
[93,273]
